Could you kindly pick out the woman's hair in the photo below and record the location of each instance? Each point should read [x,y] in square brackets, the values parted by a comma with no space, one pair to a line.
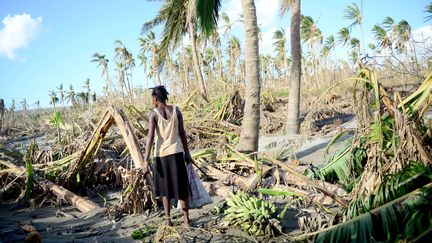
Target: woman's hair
[160,92]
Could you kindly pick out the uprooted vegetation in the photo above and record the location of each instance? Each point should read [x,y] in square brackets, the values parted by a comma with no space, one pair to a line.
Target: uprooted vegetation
[378,186]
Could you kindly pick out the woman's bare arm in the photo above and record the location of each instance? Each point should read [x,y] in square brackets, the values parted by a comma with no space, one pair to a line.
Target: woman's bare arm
[183,138]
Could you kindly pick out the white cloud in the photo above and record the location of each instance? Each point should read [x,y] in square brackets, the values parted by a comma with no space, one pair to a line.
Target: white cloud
[17,32]
[266,10]
[266,45]
[423,34]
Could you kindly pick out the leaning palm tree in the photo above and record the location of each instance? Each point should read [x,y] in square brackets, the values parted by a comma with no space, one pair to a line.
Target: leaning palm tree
[53,98]
[154,71]
[103,62]
[311,34]
[144,47]
[352,12]
[71,96]
[280,44]
[61,92]
[181,17]
[233,51]
[292,126]
[24,105]
[382,37]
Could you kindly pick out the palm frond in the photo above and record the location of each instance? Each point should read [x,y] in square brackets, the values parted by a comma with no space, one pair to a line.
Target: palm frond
[175,28]
[385,223]
[207,12]
[344,164]
[428,10]
[161,18]
[285,6]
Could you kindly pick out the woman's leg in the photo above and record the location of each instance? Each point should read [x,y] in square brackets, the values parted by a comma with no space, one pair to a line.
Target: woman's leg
[185,207]
[167,207]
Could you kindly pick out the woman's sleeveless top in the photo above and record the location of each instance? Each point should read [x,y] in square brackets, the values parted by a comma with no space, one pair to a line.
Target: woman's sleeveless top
[167,135]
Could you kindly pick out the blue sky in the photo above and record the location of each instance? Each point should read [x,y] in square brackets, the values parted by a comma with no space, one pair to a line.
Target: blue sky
[46,43]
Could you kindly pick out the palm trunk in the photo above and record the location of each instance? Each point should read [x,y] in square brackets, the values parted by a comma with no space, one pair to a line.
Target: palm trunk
[155,74]
[294,91]
[251,118]
[197,68]
[219,61]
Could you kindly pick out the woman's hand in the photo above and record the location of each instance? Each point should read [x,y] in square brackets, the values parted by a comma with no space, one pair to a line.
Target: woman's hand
[144,167]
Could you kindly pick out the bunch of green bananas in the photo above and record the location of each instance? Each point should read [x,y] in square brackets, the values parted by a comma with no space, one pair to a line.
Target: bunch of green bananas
[254,215]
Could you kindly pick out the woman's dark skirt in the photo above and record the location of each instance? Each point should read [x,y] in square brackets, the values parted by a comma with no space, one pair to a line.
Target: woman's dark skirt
[171,179]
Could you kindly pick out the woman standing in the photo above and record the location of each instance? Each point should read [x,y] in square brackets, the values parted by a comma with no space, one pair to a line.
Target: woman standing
[171,153]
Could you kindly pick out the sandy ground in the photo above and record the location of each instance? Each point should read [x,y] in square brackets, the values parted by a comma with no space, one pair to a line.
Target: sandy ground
[66,224]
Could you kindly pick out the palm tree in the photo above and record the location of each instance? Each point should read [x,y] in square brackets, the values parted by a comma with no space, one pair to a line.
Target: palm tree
[144,47]
[87,89]
[381,35]
[311,34]
[24,105]
[53,98]
[71,96]
[36,104]
[102,61]
[12,107]
[329,46]
[280,39]
[130,63]
[352,12]
[181,17]
[234,51]
[154,72]
[251,118]
[61,92]
[295,82]
[216,42]
[344,36]
[227,26]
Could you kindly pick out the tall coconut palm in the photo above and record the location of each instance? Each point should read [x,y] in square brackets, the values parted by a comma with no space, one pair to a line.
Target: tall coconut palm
[311,34]
[103,62]
[53,98]
[381,35]
[24,105]
[233,51]
[154,71]
[130,63]
[71,96]
[215,40]
[144,47]
[120,59]
[352,12]
[344,37]
[61,93]
[251,119]
[87,89]
[181,17]
[12,106]
[295,82]
[280,39]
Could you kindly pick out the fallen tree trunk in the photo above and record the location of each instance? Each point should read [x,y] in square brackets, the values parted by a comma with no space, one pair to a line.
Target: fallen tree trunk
[308,181]
[82,204]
